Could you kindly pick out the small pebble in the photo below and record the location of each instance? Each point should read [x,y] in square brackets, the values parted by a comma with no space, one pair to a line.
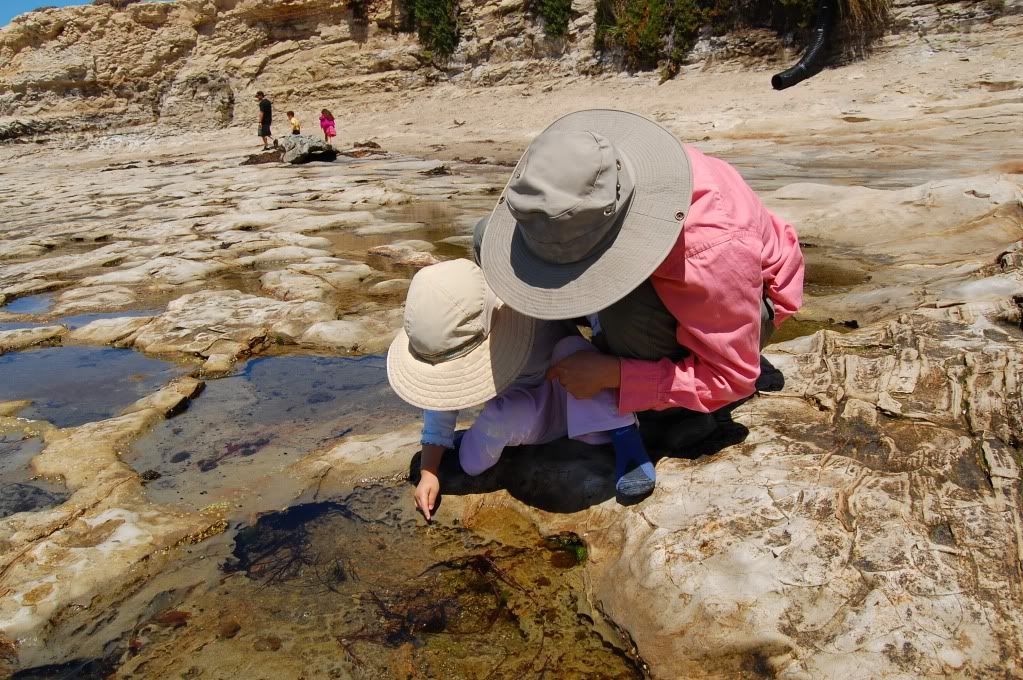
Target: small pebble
[175,618]
[562,559]
[268,644]
[229,628]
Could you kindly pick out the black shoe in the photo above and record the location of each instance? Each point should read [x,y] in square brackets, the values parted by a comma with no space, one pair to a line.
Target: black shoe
[676,429]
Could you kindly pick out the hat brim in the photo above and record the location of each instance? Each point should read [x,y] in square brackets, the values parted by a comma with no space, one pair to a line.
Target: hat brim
[649,230]
[469,380]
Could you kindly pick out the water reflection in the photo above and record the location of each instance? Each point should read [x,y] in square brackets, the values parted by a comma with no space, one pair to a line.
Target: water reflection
[69,386]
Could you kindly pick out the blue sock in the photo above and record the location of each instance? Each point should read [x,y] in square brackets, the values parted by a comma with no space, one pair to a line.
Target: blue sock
[634,473]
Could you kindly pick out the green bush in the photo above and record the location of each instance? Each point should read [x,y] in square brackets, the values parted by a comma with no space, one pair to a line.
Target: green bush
[648,33]
[436,23]
[555,14]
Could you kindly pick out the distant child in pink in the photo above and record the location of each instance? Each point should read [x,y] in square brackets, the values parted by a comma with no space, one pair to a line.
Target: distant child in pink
[327,124]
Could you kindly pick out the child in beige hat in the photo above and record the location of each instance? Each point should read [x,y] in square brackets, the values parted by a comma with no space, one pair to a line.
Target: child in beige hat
[461,347]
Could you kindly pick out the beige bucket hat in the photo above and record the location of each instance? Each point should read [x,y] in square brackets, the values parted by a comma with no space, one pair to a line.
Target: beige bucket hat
[592,209]
[460,345]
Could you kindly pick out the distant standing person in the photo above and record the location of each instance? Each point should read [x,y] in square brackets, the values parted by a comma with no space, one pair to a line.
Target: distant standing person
[296,127]
[328,126]
[266,114]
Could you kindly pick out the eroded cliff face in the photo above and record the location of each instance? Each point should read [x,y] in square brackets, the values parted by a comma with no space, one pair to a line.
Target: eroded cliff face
[193,62]
[190,61]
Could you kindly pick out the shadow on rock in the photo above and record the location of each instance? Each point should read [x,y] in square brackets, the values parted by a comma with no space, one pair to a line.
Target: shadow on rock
[568,476]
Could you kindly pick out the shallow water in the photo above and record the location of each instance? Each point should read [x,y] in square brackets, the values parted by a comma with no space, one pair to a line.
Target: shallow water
[30,304]
[73,385]
[357,587]
[269,415]
[19,492]
[437,220]
[77,320]
[795,327]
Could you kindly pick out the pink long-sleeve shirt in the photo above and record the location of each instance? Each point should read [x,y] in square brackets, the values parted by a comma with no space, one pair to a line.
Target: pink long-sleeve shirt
[731,251]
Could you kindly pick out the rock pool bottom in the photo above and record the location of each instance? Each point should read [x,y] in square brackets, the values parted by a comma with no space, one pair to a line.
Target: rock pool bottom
[358,588]
[270,414]
[70,386]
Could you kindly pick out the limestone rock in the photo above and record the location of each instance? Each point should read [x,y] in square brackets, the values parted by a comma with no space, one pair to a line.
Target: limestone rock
[106,523]
[199,100]
[171,399]
[93,298]
[167,58]
[283,254]
[171,270]
[300,149]
[109,331]
[196,323]
[218,364]
[366,334]
[315,281]
[11,408]
[391,287]
[399,255]
[27,337]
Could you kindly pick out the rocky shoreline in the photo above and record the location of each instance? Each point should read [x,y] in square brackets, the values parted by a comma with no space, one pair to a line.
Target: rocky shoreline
[860,516]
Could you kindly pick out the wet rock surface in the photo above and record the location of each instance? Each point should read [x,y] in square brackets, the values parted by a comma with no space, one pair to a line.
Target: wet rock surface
[104,526]
[381,596]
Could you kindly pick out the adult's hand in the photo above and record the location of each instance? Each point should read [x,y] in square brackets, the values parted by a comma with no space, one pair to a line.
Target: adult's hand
[584,374]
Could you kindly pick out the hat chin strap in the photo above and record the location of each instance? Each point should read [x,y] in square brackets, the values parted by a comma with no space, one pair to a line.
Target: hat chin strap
[434,358]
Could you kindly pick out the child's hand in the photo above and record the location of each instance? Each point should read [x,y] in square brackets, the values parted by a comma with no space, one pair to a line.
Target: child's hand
[426,493]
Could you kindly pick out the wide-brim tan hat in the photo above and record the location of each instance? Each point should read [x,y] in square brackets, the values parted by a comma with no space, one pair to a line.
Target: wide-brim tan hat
[647,225]
[478,370]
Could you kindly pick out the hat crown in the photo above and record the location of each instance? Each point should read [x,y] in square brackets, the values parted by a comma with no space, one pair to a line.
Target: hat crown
[447,312]
[567,194]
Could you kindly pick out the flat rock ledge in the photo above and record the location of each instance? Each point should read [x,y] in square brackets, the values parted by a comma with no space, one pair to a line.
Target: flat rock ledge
[221,327]
[217,326]
[107,527]
[863,521]
[23,338]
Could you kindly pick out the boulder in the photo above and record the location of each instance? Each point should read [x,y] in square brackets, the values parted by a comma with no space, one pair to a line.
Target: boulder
[300,149]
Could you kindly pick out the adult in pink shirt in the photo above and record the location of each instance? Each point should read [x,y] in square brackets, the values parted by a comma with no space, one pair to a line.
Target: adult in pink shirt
[681,268]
